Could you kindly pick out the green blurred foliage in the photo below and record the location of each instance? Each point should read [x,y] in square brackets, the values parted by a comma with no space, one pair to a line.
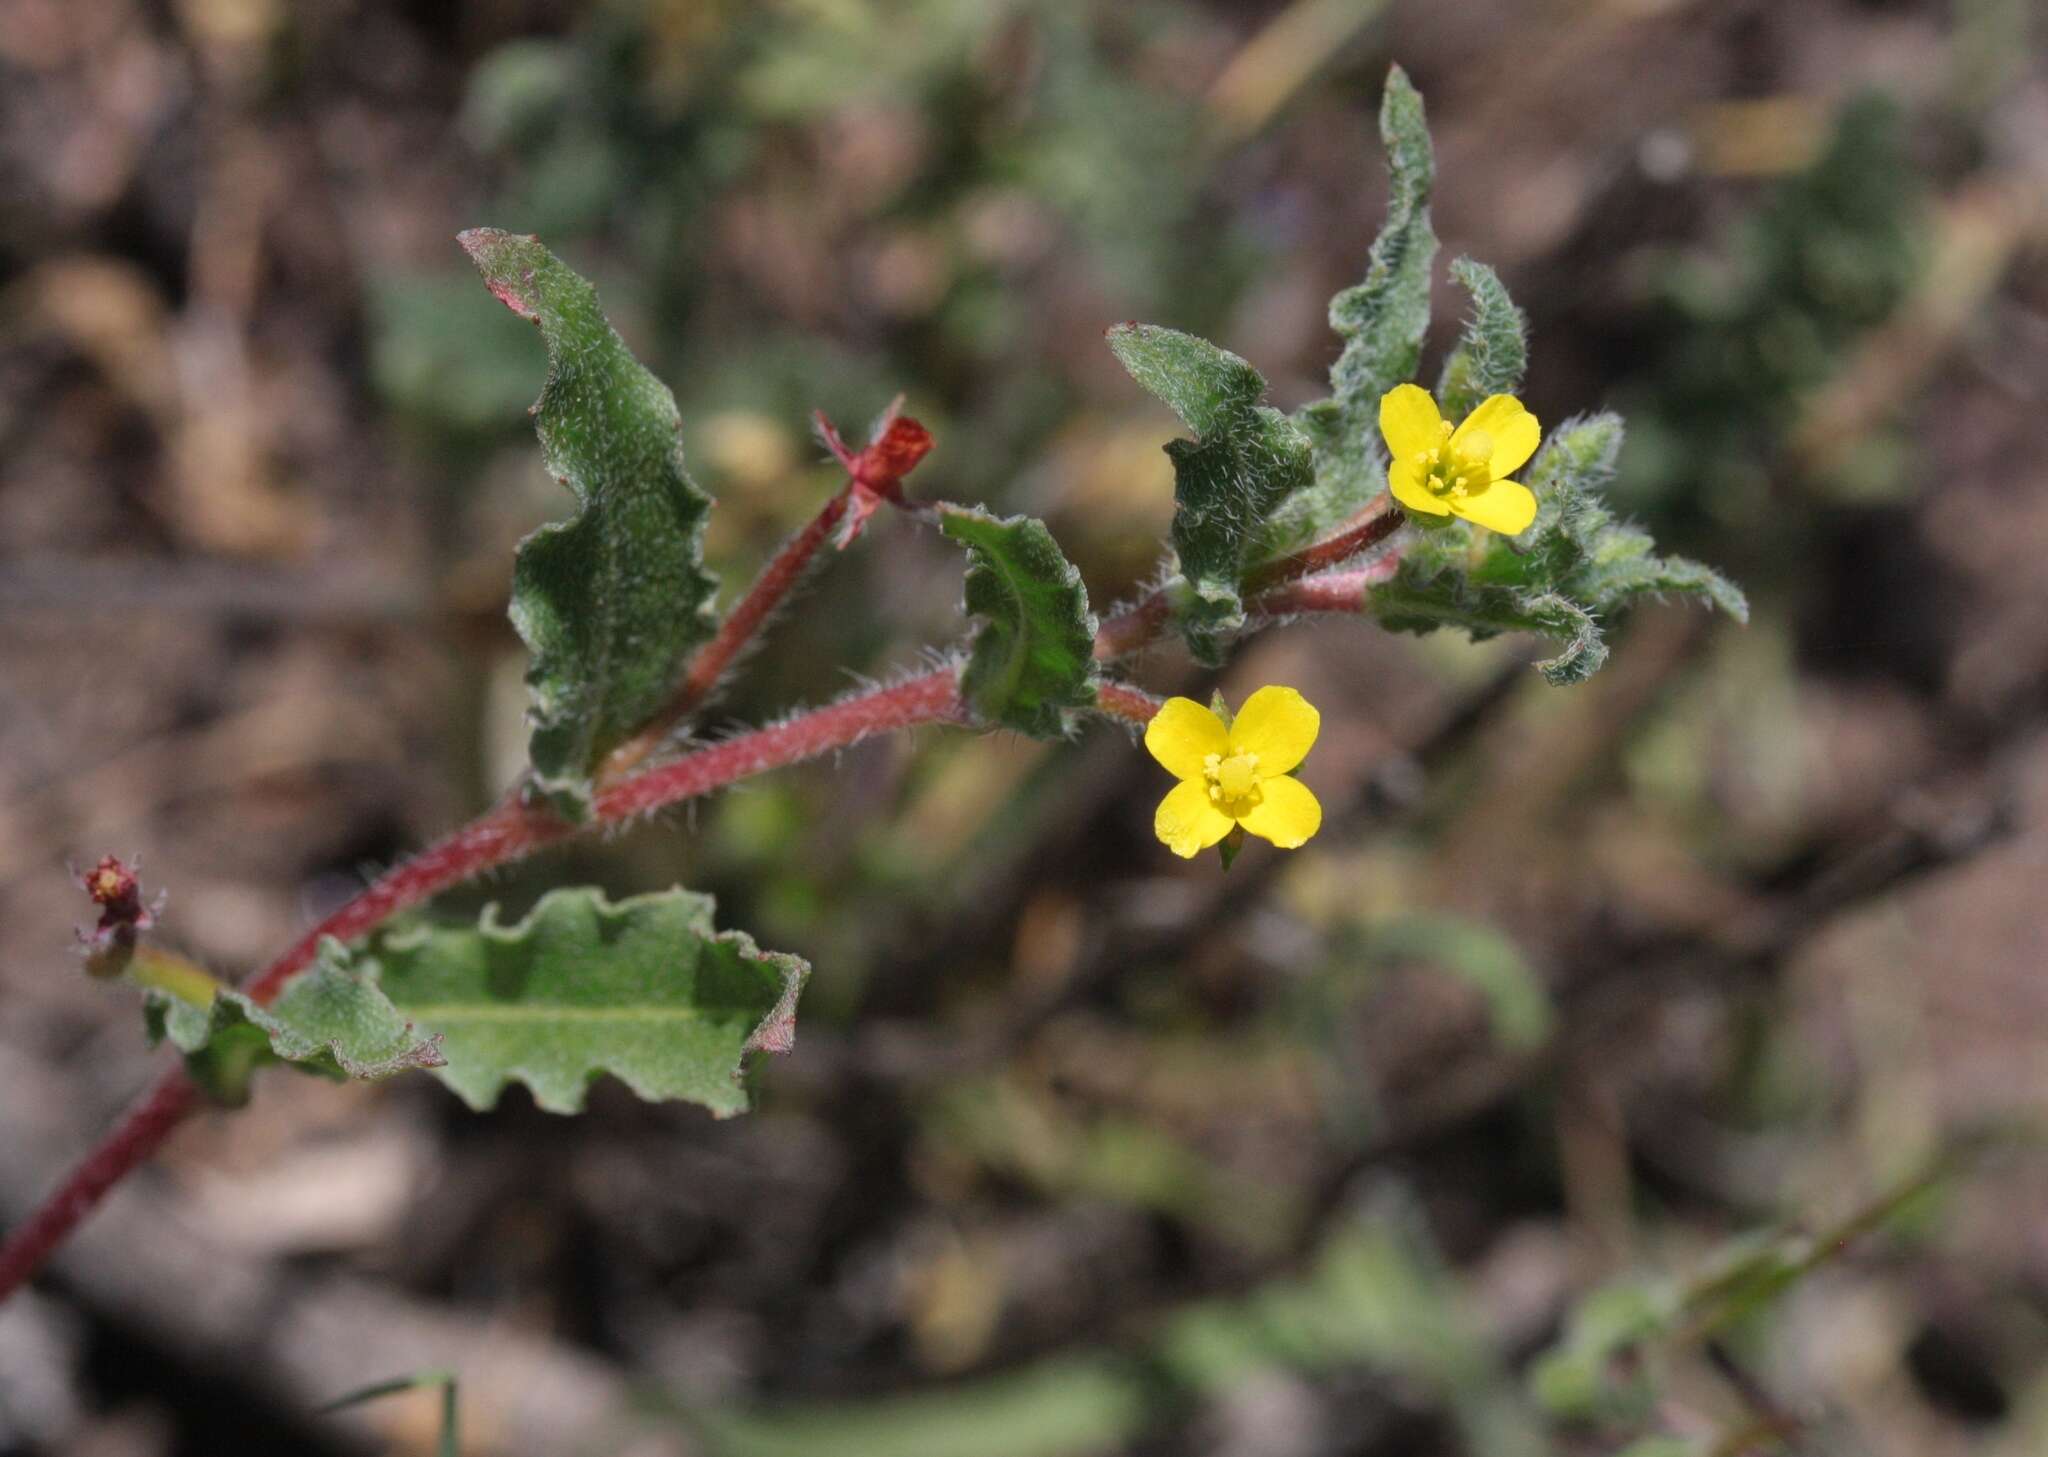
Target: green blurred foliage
[953,152]
[1747,334]
[1378,1293]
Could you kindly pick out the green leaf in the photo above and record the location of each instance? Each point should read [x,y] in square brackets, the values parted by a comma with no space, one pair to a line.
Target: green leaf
[1034,658]
[1414,602]
[1571,571]
[1378,1296]
[1517,1002]
[1582,1376]
[1060,1407]
[1382,321]
[1247,458]
[330,1021]
[612,601]
[1493,351]
[644,989]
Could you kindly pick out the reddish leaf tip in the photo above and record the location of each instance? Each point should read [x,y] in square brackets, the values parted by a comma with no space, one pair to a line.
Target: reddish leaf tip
[509,276]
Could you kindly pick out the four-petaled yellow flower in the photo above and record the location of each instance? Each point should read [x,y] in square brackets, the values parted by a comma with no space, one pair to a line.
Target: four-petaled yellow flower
[1463,472]
[1236,775]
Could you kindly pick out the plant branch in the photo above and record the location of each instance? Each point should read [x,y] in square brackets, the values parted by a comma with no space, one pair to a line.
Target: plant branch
[1361,533]
[510,832]
[712,661]
[142,1129]
[1123,633]
[873,475]
[515,829]
[1138,626]
[1340,592]
[1121,700]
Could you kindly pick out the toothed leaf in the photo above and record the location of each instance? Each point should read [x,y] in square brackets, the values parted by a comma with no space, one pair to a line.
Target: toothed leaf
[611,601]
[1382,321]
[1573,569]
[1413,602]
[644,989]
[1034,658]
[1492,352]
[329,1020]
[1246,459]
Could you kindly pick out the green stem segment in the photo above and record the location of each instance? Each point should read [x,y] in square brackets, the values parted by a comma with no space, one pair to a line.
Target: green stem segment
[166,971]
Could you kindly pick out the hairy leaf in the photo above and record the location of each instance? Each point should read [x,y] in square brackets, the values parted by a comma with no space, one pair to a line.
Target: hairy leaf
[612,601]
[1246,459]
[1034,658]
[1413,602]
[644,989]
[1492,352]
[1382,321]
[330,1020]
[1574,568]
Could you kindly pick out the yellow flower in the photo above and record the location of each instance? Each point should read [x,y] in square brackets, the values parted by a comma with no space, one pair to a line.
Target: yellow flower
[1439,471]
[1236,775]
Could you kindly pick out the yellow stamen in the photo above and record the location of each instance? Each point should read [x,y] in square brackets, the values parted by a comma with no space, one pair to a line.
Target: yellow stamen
[1460,470]
[1232,779]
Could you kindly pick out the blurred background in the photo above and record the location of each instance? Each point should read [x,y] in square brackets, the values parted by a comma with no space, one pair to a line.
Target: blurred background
[1518,1114]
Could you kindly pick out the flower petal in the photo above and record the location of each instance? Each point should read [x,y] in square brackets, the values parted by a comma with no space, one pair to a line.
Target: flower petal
[1188,821]
[1287,813]
[1405,482]
[1505,506]
[1278,725]
[1182,734]
[1410,421]
[1514,430]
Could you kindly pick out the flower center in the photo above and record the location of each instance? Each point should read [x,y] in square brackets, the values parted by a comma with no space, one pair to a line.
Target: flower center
[1457,470]
[1232,779]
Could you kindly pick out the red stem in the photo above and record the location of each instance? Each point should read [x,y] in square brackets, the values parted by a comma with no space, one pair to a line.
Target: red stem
[1334,592]
[1125,632]
[928,698]
[514,829]
[1366,530]
[509,832]
[1133,705]
[782,573]
[141,1129]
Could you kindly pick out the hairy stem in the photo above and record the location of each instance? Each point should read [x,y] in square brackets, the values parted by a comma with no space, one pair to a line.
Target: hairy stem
[711,662]
[1362,532]
[1121,700]
[928,698]
[511,831]
[1138,626]
[515,829]
[1125,632]
[1333,592]
[140,1132]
